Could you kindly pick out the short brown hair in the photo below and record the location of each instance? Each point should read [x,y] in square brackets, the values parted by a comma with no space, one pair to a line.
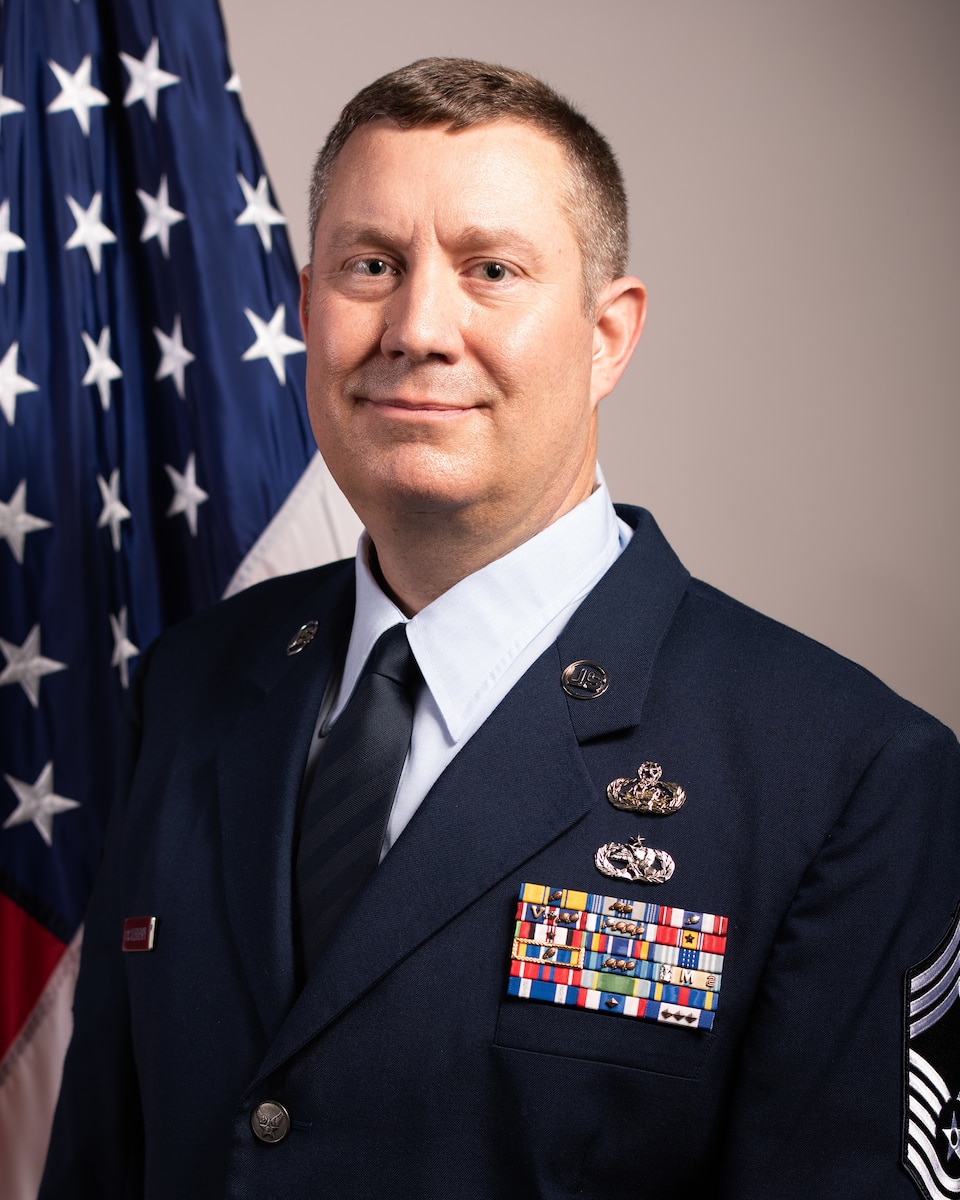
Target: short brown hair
[460,92]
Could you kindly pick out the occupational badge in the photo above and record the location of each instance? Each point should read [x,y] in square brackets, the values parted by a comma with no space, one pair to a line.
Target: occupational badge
[634,861]
[931,1122]
[648,793]
[622,957]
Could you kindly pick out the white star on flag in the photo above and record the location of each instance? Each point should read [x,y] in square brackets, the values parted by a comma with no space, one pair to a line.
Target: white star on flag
[259,210]
[174,356]
[102,368]
[272,343]
[76,93]
[233,84]
[90,233]
[146,78]
[26,665]
[16,522]
[7,106]
[10,243]
[12,385]
[123,648]
[159,216]
[187,496]
[38,803]
[114,510]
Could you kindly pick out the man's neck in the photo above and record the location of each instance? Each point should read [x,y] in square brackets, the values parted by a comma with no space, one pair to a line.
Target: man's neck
[417,557]
[419,561]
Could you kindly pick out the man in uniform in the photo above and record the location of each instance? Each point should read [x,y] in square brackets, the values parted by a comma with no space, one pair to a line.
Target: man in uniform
[508,860]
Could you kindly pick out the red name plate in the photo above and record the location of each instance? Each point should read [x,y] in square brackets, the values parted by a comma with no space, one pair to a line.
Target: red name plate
[138,933]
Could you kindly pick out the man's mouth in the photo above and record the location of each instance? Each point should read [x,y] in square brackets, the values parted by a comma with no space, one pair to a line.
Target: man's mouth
[414,407]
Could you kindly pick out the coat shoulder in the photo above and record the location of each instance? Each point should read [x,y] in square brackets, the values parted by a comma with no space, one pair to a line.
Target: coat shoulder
[273,603]
[210,653]
[772,672]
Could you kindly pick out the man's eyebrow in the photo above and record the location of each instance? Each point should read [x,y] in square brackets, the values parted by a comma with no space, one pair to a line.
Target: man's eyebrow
[353,233]
[498,237]
[478,237]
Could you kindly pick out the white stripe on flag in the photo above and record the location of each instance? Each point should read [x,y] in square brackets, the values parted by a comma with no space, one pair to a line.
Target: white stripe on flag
[314,525]
[31,1074]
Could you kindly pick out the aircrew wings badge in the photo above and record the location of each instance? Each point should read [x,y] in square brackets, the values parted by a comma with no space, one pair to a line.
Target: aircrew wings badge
[623,957]
[931,1122]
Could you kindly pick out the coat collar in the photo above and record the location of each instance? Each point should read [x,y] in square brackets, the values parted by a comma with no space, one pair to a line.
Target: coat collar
[621,625]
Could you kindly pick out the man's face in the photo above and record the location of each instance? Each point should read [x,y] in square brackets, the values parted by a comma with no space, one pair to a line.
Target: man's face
[449,359]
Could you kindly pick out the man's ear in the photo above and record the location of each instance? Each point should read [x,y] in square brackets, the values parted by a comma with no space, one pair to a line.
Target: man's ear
[621,311]
[305,299]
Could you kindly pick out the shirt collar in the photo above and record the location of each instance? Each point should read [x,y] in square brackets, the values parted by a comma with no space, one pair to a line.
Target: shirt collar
[468,637]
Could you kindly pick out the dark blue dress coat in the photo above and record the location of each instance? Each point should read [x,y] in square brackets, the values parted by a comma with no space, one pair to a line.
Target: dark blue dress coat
[822,819]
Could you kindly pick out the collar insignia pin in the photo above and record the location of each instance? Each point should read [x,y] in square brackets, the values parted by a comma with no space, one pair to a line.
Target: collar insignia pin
[647,793]
[303,637]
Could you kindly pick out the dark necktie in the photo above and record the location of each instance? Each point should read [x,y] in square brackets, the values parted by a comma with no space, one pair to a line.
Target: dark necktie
[346,809]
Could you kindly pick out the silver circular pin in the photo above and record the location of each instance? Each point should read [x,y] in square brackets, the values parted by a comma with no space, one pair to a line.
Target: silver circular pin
[584,680]
[303,637]
[270,1122]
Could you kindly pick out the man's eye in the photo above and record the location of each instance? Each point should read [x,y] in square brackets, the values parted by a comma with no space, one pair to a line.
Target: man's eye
[372,266]
[494,272]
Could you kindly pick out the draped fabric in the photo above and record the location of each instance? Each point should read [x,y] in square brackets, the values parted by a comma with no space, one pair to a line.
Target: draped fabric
[152,427]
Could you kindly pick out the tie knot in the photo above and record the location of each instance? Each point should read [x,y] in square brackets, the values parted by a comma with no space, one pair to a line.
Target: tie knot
[392,657]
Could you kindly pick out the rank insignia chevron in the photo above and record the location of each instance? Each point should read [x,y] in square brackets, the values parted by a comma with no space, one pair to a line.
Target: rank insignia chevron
[931,1125]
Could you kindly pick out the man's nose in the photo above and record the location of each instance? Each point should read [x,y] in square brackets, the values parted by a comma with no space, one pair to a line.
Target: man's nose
[424,316]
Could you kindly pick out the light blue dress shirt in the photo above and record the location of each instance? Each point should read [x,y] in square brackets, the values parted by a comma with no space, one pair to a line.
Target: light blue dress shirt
[474,642]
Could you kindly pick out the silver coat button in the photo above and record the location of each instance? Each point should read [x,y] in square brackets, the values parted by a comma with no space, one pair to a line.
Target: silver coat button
[270,1121]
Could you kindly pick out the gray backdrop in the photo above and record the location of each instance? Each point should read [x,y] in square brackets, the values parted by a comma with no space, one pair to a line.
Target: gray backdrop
[791,416]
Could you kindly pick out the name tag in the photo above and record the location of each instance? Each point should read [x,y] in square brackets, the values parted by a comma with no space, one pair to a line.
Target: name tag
[138,934]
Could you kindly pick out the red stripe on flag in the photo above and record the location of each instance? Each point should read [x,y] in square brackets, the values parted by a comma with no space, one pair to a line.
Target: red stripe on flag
[30,954]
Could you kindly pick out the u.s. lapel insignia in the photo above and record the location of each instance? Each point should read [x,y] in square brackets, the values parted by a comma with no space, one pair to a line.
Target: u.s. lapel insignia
[634,861]
[648,793]
[621,957]
[931,1124]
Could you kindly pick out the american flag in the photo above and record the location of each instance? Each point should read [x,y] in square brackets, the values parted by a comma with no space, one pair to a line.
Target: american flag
[154,449]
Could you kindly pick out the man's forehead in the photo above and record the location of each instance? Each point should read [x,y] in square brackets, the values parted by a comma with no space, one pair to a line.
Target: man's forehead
[504,132]
[503,194]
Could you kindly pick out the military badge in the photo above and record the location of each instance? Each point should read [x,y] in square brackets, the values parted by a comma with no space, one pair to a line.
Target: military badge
[648,793]
[931,1123]
[622,957]
[634,861]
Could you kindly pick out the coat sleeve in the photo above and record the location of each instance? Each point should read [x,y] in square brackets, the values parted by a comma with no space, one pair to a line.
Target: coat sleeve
[96,1147]
[817,1111]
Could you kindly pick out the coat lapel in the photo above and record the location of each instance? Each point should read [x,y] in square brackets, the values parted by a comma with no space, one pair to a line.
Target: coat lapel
[518,784]
[259,768]
[493,808]
[620,626]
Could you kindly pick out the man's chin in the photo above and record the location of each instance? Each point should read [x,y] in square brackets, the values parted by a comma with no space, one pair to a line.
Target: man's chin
[419,499]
